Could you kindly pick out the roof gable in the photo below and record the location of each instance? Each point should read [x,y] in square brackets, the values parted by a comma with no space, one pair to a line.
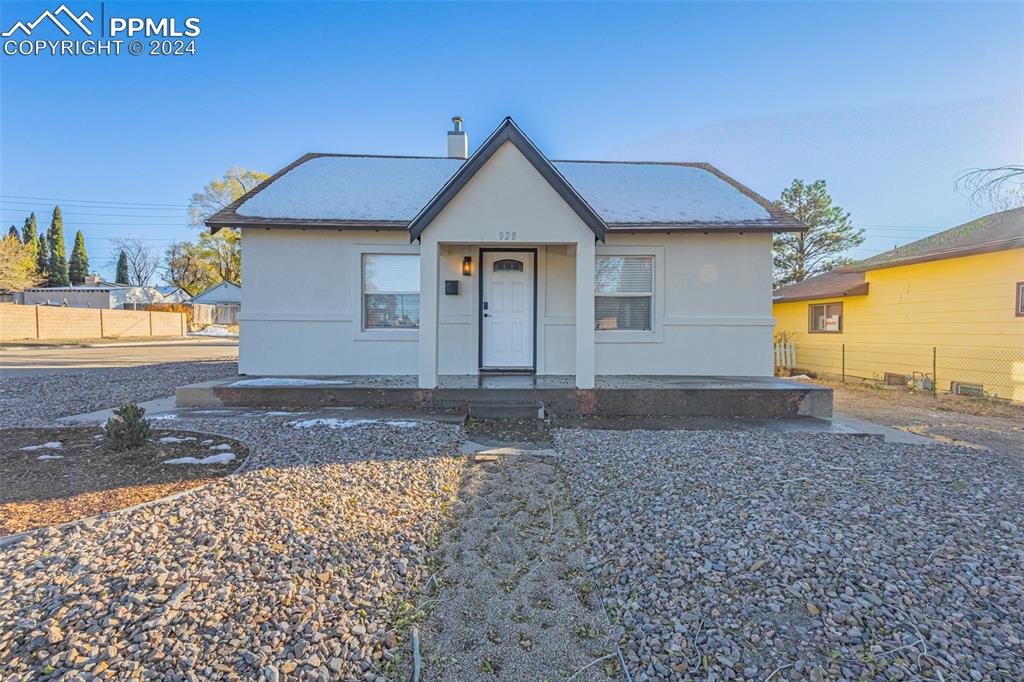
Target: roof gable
[508,131]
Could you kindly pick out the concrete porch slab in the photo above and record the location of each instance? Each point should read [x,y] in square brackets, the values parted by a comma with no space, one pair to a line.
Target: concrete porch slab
[613,396]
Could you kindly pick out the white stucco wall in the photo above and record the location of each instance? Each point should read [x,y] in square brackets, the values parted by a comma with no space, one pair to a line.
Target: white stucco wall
[302,301]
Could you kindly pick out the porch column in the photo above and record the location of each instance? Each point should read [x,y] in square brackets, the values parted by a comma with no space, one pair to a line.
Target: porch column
[428,313]
[585,251]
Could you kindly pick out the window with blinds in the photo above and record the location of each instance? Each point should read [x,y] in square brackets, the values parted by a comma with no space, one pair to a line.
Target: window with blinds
[624,293]
[391,291]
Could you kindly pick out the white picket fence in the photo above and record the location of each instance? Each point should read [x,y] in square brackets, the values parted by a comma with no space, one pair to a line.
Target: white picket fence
[785,354]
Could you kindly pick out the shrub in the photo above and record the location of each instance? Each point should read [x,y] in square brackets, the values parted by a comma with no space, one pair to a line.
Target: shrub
[127,428]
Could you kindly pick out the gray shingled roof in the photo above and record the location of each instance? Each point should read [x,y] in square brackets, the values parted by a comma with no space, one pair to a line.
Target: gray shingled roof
[994,232]
[351,191]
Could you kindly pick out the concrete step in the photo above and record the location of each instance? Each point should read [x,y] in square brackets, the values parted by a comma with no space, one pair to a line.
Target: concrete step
[506,410]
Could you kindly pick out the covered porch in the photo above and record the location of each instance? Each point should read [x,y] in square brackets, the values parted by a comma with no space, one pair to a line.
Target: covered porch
[508,307]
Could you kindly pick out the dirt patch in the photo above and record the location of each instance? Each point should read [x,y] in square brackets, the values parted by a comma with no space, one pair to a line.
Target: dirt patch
[976,422]
[56,475]
[512,598]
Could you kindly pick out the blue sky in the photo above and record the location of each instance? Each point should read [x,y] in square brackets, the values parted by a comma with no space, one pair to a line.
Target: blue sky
[888,102]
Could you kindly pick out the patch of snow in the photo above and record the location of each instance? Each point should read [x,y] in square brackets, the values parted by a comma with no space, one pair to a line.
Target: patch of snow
[368,188]
[53,445]
[206,442]
[285,381]
[168,415]
[50,457]
[221,446]
[215,330]
[331,423]
[221,458]
[277,414]
[175,439]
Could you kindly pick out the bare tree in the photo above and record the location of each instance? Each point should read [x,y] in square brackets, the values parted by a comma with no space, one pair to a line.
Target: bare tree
[1001,187]
[142,261]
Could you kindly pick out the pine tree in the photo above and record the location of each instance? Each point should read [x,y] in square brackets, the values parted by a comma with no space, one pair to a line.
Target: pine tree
[13,232]
[78,268]
[58,263]
[42,257]
[29,232]
[830,232]
[122,269]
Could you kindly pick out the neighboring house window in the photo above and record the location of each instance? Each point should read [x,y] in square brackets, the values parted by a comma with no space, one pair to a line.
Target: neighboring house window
[826,318]
[624,293]
[1020,299]
[391,291]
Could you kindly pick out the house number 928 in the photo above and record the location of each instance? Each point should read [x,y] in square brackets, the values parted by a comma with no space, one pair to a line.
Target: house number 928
[507,236]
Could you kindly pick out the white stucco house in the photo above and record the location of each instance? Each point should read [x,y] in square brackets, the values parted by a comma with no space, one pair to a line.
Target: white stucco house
[504,261]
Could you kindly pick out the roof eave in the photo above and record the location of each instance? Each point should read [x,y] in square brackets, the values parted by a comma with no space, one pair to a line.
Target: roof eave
[859,290]
[959,252]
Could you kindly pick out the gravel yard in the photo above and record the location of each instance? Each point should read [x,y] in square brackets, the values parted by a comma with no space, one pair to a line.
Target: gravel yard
[298,567]
[37,400]
[729,555]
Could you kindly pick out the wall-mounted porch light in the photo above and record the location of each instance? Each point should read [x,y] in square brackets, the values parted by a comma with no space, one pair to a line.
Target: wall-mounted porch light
[467,266]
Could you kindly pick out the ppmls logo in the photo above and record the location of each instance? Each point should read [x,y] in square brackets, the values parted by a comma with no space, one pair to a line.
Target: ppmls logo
[165,36]
[52,16]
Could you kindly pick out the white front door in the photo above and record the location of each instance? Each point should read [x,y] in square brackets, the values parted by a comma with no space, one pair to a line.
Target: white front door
[507,309]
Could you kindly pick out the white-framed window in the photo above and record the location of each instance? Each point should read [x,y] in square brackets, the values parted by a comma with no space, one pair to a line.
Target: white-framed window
[1020,299]
[390,291]
[825,318]
[624,293]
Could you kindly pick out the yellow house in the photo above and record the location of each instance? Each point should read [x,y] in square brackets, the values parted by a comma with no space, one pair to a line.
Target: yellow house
[943,313]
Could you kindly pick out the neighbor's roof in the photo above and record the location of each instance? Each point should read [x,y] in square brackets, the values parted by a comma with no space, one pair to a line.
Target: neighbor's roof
[351,191]
[222,292]
[995,232]
[829,285]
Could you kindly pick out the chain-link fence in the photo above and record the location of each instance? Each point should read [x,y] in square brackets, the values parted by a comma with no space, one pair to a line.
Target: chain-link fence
[964,370]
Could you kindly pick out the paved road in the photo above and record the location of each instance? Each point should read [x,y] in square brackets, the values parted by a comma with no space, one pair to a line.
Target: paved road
[50,360]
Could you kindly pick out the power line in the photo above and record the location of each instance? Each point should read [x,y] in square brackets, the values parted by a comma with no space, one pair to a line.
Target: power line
[94,201]
[106,215]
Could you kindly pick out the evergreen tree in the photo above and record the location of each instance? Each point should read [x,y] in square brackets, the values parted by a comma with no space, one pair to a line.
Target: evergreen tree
[13,232]
[58,264]
[122,269]
[78,268]
[830,232]
[42,257]
[29,232]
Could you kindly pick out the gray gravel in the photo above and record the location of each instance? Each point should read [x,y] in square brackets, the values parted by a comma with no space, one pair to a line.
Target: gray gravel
[39,399]
[728,555]
[296,568]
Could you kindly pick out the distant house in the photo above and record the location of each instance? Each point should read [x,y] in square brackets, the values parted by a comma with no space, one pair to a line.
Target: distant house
[959,292]
[225,293]
[173,294]
[95,293]
[224,300]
